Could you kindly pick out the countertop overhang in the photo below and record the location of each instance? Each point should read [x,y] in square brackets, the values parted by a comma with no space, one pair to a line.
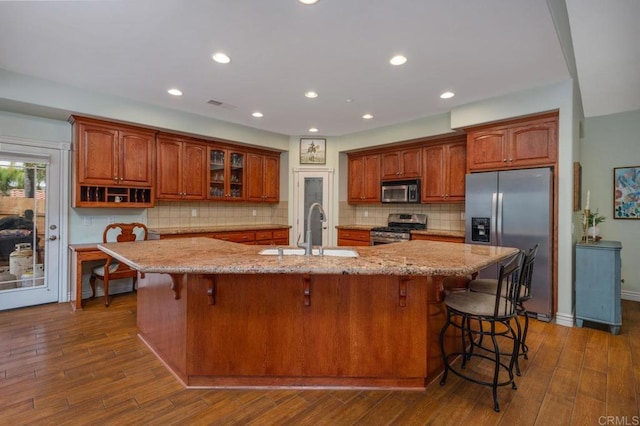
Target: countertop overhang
[211,256]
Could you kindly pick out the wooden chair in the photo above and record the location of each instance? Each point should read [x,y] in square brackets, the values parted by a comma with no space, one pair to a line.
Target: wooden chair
[112,269]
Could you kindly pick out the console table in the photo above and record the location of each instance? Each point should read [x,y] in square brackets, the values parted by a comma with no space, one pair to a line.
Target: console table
[598,284]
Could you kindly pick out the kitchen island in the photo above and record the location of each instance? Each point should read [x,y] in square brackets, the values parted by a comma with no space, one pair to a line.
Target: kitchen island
[220,314]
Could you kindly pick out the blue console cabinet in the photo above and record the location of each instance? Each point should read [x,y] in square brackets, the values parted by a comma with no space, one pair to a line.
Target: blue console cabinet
[598,282]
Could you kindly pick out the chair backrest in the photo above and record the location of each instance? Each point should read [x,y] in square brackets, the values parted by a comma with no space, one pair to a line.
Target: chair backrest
[124,232]
[526,275]
[508,286]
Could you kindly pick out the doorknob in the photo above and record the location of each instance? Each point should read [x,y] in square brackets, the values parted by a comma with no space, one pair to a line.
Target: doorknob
[53,238]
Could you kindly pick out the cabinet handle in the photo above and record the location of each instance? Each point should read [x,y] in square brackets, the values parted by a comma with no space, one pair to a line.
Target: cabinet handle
[504,160]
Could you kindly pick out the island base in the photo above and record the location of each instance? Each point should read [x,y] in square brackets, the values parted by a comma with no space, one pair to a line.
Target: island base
[294,331]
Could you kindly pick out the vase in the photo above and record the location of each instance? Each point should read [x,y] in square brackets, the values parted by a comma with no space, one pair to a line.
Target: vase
[593,230]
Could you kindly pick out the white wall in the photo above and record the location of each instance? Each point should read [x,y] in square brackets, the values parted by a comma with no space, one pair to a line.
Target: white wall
[613,141]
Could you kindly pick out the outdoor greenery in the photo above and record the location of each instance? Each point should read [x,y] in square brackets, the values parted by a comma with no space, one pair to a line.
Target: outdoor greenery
[18,175]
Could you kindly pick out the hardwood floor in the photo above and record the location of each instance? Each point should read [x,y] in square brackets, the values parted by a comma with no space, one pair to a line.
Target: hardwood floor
[89,367]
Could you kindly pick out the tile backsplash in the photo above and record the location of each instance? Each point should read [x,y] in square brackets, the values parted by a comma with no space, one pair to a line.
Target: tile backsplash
[446,217]
[171,214]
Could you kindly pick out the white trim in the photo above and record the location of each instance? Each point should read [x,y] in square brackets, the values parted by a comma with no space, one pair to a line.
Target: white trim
[63,146]
[564,319]
[630,295]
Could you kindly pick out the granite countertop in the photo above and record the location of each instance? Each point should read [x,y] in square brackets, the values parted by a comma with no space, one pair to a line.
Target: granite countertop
[212,228]
[357,227]
[210,256]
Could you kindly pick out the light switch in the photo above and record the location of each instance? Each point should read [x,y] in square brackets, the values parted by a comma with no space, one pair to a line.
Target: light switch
[87,220]
[194,212]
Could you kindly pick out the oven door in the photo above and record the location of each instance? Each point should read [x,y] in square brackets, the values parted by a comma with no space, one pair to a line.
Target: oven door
[378,240]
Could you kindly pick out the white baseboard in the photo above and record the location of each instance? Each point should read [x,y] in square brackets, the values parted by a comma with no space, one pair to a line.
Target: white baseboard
[630,295]
[564,319]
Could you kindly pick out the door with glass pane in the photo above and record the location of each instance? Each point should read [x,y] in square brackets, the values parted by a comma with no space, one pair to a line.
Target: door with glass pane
[313,186]
[29,243]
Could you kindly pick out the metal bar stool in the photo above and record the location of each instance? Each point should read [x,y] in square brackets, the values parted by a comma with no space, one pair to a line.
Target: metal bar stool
[490,286]
[498,311]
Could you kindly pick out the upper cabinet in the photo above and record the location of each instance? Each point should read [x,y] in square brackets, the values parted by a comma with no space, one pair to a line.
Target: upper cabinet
[364,178]
[516,144]
[263,177]
[401,164]
[112,164]
[444,167]
[226,174]
[182,165]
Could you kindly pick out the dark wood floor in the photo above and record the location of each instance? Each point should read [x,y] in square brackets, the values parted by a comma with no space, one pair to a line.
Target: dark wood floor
[58,367]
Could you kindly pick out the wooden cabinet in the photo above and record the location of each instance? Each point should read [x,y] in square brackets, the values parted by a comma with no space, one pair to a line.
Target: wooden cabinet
[114,165]
[364,178]
[263,177]
[516,144]
[443,238]
[444,167]
[402,164]
[259,236]
[226,174]
[181,169]
[598,284]
[353,237]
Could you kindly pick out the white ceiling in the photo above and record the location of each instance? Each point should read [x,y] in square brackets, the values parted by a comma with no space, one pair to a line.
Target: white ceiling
[137,49]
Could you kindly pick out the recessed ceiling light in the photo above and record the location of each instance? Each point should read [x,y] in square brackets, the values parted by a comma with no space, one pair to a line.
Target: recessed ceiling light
[308,1]
[311,94]
[398,60]
[367,116]
[257,114]
[447,95]
[174,92]
[313,130]
[221,58]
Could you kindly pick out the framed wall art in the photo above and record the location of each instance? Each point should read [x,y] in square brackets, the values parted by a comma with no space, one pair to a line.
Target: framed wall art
[626,192]
[312,151]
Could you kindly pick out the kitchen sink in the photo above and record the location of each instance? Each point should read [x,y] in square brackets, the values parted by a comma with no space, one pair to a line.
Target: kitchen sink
[288,251]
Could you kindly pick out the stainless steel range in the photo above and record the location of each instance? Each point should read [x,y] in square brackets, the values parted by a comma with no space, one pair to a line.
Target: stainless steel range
[399,227]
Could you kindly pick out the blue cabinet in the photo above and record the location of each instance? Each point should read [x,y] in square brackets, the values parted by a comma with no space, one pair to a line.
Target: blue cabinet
[598,284]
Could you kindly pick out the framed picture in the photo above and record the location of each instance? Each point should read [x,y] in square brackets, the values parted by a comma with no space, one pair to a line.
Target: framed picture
[577,187]
[626,192]
[312,151]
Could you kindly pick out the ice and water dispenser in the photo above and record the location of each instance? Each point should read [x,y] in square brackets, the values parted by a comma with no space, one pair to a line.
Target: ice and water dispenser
[481,229]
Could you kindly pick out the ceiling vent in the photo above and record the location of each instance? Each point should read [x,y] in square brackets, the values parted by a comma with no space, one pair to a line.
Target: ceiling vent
[221,104]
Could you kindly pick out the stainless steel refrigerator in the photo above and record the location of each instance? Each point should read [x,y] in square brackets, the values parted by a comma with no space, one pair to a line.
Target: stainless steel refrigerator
[515,209]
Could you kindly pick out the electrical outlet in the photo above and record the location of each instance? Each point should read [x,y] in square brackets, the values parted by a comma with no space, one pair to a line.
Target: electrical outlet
[194,212]
[366,213]
[461,215]
[254,212]
[87,220]
[112,219]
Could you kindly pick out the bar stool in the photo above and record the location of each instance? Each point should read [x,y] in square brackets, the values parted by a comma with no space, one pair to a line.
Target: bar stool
[490,286]
[497,310]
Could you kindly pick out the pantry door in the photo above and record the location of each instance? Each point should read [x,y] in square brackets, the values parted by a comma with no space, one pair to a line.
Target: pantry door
[30,243]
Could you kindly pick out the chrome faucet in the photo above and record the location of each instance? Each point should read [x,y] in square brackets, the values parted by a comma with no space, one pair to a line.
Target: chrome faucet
[307,243]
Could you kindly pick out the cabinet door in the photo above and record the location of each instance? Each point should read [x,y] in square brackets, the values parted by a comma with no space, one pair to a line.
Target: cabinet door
[434,173]
[255,177]
[236,175]
[486,149]
[194,171]
[364,179]
[271,190]
[456,171]
[136,158]
[97,154]
[169,179]
[533,143]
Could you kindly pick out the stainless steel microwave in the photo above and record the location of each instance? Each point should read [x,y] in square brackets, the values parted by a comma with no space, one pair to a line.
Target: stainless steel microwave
[405,191]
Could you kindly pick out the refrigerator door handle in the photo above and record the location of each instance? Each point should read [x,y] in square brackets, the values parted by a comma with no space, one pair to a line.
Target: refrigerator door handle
[494,209]
[499,220]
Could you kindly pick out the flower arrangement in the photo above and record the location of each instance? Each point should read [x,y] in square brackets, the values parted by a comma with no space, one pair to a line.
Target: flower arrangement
[595,218]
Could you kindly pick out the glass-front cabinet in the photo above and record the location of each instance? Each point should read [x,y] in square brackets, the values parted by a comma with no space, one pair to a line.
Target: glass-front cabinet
[226,174]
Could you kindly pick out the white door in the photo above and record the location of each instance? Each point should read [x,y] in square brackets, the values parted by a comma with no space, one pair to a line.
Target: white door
[313,186]
[30,202]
